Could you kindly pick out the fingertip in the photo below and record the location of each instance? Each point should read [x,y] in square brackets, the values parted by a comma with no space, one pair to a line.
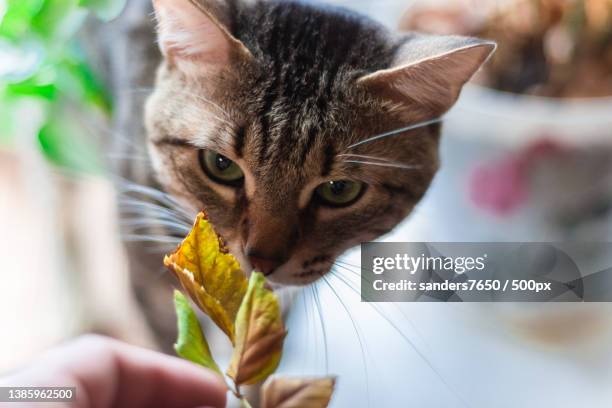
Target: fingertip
[213,382]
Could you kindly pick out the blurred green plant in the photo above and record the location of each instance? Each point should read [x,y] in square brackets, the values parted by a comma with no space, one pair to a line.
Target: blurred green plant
[46,84]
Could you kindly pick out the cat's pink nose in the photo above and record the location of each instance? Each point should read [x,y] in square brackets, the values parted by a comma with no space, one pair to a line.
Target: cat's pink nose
[263,265]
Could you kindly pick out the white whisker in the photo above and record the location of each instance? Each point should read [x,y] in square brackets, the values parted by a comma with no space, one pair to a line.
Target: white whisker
[136,224]
[317,302]
[133,204]
[344,279]
[365,156]
[396,132]
[382,164]
[362,342]
[151,238]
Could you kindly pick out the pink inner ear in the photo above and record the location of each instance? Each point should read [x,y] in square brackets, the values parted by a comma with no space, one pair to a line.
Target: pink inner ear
[442,75]
[188,33]
[433,83]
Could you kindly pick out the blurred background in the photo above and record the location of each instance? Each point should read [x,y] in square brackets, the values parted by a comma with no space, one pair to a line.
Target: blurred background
[526,156]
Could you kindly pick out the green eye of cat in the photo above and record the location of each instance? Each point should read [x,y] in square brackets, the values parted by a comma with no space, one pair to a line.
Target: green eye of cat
[219,168]
[340,193]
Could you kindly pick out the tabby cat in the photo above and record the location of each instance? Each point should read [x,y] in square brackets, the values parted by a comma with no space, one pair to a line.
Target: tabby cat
[302,129]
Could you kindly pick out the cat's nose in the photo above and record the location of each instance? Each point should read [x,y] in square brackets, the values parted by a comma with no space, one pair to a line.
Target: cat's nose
[263,265]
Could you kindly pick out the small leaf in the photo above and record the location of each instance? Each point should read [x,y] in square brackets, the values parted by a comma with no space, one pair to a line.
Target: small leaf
[105,9]
[191,343]
[210,274]
[259,334]
[64,144]
[283,392]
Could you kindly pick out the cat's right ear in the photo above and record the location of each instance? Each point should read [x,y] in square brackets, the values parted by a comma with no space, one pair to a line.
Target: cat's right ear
[426,77]
[193,34]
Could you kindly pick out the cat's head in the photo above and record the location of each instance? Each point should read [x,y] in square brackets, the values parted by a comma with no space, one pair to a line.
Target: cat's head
[263,114]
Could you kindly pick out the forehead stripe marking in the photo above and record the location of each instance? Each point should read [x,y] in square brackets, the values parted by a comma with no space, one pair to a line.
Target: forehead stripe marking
[239,138]
[270,94]
[328,161]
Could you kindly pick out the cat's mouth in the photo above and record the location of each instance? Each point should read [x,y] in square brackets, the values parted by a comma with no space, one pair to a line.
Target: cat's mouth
[295,272]
[302,272]
[299,270]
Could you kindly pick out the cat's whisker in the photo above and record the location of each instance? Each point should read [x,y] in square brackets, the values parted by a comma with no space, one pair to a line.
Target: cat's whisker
[357,274]
[365,156]
[133,204]
[137,224]
[362,343]
[151,238]
[162,197]
[151,220]
[396,132]
[396,307]
[395,165]
[310,327]
[317,303]
[134,193]
[311,321]
[405,338]
[361,268]
[165,201]
[380,161]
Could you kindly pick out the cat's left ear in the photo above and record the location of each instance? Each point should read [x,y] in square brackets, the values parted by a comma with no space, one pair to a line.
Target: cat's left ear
[428,73]
[195,34]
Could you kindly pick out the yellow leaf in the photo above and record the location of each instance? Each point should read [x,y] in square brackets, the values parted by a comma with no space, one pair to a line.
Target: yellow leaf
[259,334]
[283,392]
[210,274]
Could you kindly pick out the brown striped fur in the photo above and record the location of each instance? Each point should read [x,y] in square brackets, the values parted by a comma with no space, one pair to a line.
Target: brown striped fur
[284,89]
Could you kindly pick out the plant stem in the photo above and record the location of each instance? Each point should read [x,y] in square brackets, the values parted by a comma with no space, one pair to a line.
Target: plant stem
[236,391]
[245,403]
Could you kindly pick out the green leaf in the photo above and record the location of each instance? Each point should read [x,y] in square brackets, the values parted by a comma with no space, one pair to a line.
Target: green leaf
[31,88]
[18,16]
[91,89]
[58,20]
[104,9]
[191,343]
[65,144]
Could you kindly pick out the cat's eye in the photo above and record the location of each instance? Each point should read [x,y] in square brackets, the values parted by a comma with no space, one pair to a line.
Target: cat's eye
[219,168]
[340,193]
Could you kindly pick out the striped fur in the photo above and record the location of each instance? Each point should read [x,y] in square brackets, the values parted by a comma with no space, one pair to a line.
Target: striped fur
[289,106]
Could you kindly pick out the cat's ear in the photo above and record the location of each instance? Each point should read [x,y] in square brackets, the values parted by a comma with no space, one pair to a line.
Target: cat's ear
[195,33]
[428,73]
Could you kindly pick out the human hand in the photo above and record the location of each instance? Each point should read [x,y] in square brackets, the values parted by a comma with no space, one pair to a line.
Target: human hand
[111,374]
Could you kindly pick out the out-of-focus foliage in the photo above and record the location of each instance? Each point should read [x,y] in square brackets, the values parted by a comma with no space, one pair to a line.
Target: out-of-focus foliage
[43,68]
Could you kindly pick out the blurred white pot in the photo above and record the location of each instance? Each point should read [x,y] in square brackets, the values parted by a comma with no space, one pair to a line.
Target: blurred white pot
[513,120]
